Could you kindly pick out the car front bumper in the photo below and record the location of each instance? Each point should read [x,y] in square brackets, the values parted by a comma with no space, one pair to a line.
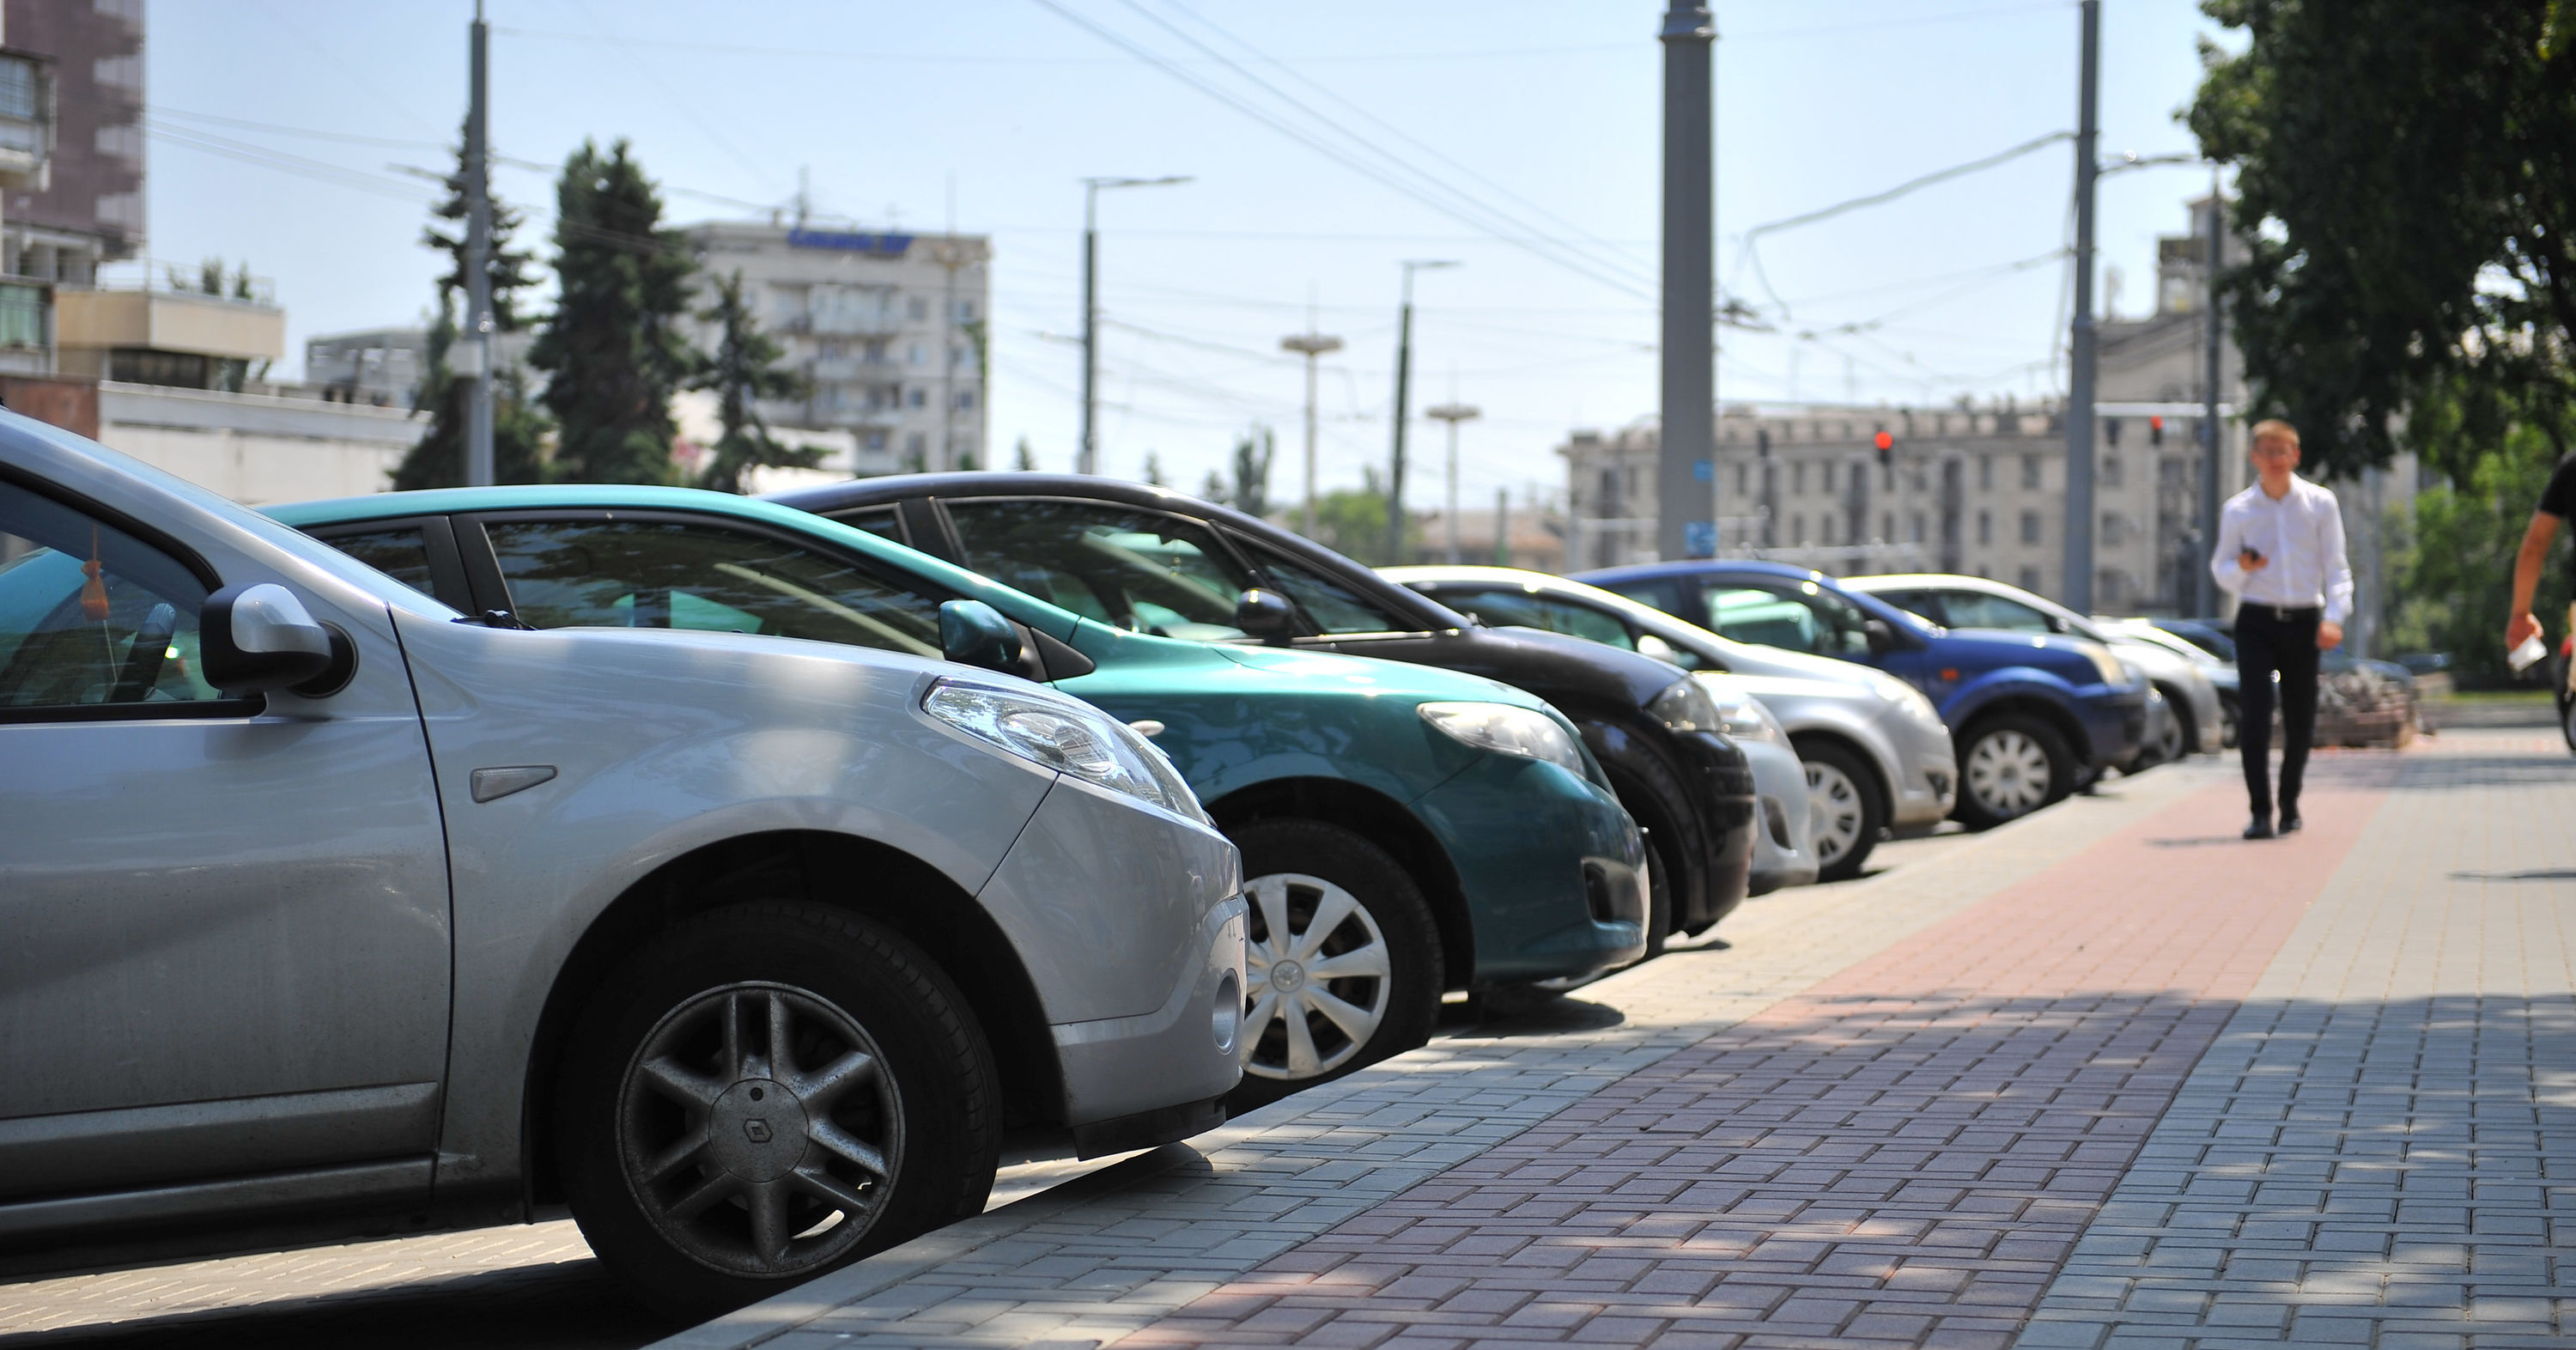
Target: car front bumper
[1783,848]
[1551,867]
[1926,773]
[2115,722]
[1724,788]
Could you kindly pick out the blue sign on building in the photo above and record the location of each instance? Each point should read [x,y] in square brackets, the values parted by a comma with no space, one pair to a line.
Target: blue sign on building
[1703,471]
[882,245]
[1699,537]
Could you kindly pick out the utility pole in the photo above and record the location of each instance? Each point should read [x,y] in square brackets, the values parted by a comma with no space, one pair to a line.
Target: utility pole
[1086,457]
[1502,527]
[2079,385]
[478,263]
[1453,413]
[2212,440]
[1403,390]
[1689,402]
[1310,344]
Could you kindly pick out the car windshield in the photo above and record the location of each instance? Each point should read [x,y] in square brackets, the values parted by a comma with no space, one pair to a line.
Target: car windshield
[1801,616]
[1134,569]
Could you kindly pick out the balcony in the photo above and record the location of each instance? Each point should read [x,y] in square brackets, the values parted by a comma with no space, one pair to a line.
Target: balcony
[102,319]
[26,116]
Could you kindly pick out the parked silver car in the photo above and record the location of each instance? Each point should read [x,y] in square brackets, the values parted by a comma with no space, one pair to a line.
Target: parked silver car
[1784,852]
[2196,722]
[330,910]
[1875,755]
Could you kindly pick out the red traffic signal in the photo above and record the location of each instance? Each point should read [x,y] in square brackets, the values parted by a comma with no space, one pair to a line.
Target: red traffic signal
[2155,431]
[1885,443]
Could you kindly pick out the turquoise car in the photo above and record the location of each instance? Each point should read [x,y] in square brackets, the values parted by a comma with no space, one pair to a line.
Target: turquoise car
[1405,830]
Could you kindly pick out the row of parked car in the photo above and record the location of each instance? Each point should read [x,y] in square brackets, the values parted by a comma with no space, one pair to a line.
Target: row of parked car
[736,872]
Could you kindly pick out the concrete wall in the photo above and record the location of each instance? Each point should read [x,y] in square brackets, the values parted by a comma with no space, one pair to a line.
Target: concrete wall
[258,449]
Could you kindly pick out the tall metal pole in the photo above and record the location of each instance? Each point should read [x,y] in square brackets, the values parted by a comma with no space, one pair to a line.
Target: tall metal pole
[1403,392]
[1689,402]
[2078,594]
[2212,440]
[1453,413]
[1310,344]
[478,266]
[1086,457]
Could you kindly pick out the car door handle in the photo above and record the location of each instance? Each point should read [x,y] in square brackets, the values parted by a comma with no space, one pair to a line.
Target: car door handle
[491,785]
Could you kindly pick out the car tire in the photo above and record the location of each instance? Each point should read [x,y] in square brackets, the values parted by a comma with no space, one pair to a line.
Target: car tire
[1846,805]
[1666,863]
[2185,742]
[2010,765]
[2226,721]
[883,1121]
[1318,890]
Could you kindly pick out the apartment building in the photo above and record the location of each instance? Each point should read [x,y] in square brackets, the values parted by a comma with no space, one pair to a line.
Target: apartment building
[888,329]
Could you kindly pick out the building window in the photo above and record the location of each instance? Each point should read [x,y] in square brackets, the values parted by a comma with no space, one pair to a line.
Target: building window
[916,444]
[920,397]
[1917,523]
[917,307]
[2029,578]
[1886,526]
[965,311]
[1830,475]
[1797,530]
[1798,479]
[2115,531]
[965,400]
[1741,477]
[2110,471]
[1985,473]
[1825,529]
[874,440]
[2030,527]
[22,316]
[1985,527]
[2030,471]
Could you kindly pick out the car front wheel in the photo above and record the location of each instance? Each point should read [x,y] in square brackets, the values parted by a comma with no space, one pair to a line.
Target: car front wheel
[1343,959]
[764,1093]
[1844,807]
[2009,766]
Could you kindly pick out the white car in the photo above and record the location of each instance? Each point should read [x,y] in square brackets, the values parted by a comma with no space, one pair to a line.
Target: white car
[333,911]
[1872,750]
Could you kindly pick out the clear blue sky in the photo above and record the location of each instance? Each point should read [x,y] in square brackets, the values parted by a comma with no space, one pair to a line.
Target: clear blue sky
[1546,113]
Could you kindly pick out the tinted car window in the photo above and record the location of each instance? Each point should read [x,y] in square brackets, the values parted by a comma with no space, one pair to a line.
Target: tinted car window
[90,615]
[1976,609]
[1926,604]
[1801,617]
[1139,570]
[669,574]
[882,521]
[1327,604]
[1504,606]
[401,553]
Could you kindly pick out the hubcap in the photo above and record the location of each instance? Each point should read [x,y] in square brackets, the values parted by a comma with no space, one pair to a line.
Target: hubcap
[759,1129]
[2008,772]
[1834,812]
[1320,977]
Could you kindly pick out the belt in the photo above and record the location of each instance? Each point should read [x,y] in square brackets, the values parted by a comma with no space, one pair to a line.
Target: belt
[2282,613]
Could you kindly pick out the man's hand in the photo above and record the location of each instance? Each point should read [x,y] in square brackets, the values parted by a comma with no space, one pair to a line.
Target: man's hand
[2251,561]
[2523,626]
[2329,635]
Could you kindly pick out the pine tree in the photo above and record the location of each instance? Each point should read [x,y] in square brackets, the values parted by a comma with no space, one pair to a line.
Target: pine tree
[614,349]
[1154,469]
[743,371]
[1023,459]
[1252,456]
[518,426]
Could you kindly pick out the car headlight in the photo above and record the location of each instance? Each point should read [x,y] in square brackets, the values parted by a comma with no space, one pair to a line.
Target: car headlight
[1507,730]
[2109,667]
[1686,705]
[1069,737]
[1907,698]
[1737,713]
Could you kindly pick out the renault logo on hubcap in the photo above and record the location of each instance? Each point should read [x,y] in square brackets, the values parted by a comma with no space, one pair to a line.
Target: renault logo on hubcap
[756,1130]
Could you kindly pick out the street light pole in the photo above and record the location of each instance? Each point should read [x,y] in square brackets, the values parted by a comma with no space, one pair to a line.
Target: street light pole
[1310,344]
[1453,413]
[2079,385]
[479,468]
[1403,390]
[2211,440]
[1689,394]
[1086,457]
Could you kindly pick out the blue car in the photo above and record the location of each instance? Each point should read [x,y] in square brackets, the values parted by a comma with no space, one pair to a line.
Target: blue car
[2029,713]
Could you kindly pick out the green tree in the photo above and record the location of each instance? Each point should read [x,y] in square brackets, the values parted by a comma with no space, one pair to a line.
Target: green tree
[743,371]
[1354,522]
[2407,182]
[518,426]
[2451,563]
[1252,455]
[614,350]
[1154,469]
[1022,459]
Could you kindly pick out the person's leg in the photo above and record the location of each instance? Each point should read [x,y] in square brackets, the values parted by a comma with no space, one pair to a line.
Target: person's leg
[2297,655]
[2254,664]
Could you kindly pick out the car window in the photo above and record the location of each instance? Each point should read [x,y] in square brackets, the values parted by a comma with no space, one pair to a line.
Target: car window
[401,553]
[1661,595]
[1976,609]
[1139,570]
[1799,616]
[90,615]
[1504,606]
[1328,605]
[1924,604]
[672,574]
[882,521]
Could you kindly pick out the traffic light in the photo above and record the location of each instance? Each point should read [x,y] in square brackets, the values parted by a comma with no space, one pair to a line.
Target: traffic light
[2155,431]
[1885,444]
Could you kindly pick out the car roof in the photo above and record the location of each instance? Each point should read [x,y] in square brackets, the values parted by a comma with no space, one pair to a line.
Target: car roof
[1687,567]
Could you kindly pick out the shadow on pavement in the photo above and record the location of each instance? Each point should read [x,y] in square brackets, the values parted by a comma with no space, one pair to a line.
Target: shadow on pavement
[2544,874]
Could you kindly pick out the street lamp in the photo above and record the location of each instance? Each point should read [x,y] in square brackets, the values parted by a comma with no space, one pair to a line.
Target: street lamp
[1403,388]
[1087,456]
[1310,344]
[1453,413]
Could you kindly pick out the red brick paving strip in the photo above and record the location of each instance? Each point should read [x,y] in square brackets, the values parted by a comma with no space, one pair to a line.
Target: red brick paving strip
[1903,1154]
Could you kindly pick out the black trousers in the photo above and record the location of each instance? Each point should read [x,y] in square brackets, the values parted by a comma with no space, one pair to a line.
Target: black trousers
[2269,640]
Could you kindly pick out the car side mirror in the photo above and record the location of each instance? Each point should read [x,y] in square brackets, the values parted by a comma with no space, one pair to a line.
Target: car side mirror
[972,633]
[1882,639]
[257,637]
[1265,614]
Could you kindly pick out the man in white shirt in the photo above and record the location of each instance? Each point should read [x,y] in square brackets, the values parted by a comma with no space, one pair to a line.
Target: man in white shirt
[2280,552]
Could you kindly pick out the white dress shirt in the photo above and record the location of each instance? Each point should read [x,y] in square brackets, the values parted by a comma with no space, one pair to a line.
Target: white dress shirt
[2301,540]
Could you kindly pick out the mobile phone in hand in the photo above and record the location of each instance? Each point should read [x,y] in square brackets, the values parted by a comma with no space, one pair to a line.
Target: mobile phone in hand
[2249,554]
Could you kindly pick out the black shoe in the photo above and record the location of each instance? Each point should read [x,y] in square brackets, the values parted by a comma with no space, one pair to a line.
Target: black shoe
[2290,822]
[2260,829]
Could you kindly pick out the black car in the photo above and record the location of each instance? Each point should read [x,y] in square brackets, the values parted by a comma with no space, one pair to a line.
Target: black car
[1155,561]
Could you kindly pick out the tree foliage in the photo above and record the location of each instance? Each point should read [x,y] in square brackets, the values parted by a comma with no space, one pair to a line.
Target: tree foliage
[518,426]
[1353,522]
[614,349]
[2452,561]
[743,371]
[1252,455]
[2407,181]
